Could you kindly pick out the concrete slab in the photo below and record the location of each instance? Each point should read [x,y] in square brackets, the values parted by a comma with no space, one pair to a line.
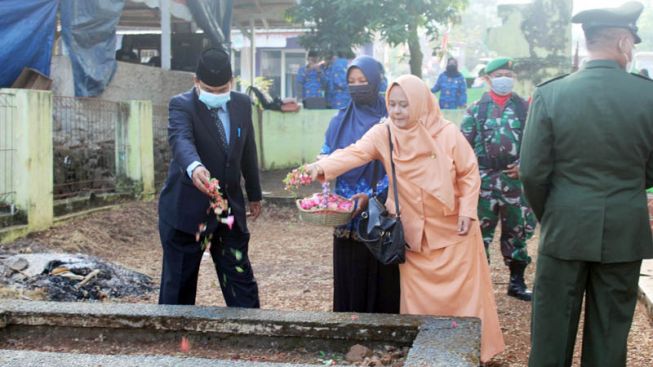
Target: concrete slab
[434,341]
[19,358]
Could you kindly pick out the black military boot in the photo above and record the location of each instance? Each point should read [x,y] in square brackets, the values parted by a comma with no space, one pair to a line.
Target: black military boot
[517,286]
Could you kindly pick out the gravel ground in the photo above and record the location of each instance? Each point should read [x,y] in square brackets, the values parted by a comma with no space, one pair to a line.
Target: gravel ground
[292,263]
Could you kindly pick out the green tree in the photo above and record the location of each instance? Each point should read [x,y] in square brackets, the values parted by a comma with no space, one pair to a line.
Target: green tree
[471,32]
[340,24]
[333,26]
[399,21]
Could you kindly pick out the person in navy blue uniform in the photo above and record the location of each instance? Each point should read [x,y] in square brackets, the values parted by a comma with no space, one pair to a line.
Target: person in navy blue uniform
[452,87]
[211,135]
[310,78]
[337,92]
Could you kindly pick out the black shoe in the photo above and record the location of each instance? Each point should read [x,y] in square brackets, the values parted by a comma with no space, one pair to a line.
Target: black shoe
[517,287]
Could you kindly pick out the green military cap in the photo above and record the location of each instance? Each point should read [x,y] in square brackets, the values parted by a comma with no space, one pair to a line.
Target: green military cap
[497,64]
[624,16]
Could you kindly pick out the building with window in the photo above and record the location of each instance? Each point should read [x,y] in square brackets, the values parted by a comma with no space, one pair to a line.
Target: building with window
[255,24]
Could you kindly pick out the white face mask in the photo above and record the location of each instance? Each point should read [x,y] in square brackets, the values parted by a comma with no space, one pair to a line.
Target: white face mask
[502,85]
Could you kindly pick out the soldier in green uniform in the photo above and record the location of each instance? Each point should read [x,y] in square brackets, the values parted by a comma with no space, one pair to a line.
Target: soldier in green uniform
[494,127]
[586,161]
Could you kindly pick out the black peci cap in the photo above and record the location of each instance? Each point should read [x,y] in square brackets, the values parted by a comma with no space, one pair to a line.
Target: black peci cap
[214,67]
[624,16]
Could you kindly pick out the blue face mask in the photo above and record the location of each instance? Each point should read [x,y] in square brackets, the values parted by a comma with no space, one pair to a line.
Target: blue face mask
[212,100]
[502,85]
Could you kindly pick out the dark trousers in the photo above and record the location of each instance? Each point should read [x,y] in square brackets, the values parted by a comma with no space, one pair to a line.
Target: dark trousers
[360,282]
[181,263]
[610,297]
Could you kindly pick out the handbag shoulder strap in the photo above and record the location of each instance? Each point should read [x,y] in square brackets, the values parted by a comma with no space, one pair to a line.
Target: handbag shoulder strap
[375,177]
[394,175]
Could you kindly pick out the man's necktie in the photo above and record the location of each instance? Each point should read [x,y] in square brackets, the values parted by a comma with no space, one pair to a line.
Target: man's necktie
[222,135]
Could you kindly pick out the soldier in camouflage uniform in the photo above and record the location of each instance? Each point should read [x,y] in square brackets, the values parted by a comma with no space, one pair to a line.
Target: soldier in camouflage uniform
[494,127]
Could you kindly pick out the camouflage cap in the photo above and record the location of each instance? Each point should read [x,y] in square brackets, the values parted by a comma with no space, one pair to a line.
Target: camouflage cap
[624,16]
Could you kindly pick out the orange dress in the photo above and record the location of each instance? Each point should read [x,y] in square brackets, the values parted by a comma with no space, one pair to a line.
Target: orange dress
[445,274]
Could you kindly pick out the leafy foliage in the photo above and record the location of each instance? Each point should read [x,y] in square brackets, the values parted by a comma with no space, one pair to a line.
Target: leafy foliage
[471,32]
[396,20]
[338,25]
[334,26]
[545,24]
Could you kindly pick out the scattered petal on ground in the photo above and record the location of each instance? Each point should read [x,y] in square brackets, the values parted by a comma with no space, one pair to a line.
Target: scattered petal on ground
[287,259]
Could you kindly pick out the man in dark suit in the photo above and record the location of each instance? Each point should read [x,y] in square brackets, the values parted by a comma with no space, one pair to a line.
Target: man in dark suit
[211,135]
[586,160]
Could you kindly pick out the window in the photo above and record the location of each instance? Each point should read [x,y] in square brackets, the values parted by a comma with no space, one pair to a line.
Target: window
[237,70]
[293,61]
[147,55]
[271,69]
[280,67]
[235,55]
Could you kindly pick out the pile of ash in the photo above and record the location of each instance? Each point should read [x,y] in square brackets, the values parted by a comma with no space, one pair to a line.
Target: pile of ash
[68,277]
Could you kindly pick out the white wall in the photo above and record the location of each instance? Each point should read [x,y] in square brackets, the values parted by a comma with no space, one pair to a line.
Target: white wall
[131,82]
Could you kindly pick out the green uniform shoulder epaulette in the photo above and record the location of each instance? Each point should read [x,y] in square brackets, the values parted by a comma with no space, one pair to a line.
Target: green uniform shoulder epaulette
[553,79]
[642,76]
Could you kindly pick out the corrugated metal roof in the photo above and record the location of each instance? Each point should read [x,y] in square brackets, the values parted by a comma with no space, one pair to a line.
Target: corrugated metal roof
[267,14]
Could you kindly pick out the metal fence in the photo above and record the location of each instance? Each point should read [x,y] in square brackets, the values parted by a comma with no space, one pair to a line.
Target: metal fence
[161,148]
[9,215]
[88,153]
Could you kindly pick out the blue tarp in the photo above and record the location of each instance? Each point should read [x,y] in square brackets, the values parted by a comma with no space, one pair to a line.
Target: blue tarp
[89,33]
[214,17]
[26,37]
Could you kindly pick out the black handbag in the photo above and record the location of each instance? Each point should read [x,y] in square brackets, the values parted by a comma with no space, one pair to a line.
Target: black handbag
[382,232]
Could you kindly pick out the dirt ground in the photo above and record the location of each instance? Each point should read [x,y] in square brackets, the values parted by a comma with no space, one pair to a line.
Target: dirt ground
[292,262]
[92,342]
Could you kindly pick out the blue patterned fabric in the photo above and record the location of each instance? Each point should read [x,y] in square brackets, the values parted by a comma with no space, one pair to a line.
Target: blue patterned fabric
[347,127]
[337,86]
[453,91]
[311,82]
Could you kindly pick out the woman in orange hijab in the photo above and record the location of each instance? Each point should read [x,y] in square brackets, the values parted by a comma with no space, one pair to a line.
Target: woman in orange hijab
[446,271]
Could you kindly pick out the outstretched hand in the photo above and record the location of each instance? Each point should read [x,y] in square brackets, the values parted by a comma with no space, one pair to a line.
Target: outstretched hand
[201,179]
[315,171]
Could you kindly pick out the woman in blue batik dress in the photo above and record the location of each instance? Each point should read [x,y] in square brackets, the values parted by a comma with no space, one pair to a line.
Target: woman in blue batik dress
[310,78]
[452,87]
[336,79]
[361,283]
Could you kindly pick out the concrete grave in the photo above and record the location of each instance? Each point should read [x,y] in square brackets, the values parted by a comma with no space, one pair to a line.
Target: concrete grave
[433,341]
